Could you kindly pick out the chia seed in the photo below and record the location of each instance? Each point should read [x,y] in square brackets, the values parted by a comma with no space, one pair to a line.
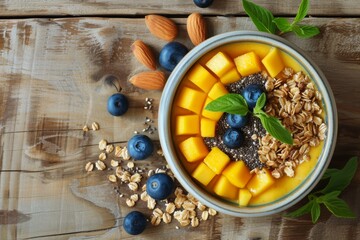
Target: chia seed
[248,152]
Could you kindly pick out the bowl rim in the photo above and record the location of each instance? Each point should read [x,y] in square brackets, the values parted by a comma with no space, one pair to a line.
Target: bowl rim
[167,144]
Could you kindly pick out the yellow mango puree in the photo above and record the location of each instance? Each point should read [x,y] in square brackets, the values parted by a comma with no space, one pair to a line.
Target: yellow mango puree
[282,186]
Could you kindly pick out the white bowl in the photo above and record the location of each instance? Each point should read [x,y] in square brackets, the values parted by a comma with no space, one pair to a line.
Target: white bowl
[173,160]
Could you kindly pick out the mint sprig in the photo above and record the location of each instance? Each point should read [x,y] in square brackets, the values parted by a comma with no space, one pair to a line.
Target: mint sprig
[338,180]
[230,103]
[236,104]
[261,17]
[266,22]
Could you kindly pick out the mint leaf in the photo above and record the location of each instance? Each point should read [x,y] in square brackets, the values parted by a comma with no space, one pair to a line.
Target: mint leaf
[261,17]
[302,11]
[274,127]
[340,179]
[328,173]
[260,103]
[230,103]
[339,208]
[315,211]
[330,195]
[283,24]
[301,211]
[306,31]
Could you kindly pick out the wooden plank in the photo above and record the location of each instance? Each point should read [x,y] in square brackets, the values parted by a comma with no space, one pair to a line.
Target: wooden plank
[53,82]
[124,7]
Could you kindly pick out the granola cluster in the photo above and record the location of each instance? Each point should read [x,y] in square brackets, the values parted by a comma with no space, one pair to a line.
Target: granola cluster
[183,207]
[294,99]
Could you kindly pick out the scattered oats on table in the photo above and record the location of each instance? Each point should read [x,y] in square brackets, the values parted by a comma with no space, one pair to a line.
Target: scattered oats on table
[95,126]
[102,144]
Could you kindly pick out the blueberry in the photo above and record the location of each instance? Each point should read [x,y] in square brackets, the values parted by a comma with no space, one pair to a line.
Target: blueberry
[134,223]
[117,104]
[236,120]
[159,186]
[233,138]
[251,93]
[171,54]
[203,3]
[140,147]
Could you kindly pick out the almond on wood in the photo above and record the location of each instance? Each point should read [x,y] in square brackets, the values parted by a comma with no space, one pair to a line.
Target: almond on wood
[196,28]
[144,54]
[161,27]
[150,80]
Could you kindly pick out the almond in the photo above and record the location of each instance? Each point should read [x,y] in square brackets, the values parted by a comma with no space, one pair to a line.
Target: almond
[150,80]
[143,54]
[161,27]
[196,28]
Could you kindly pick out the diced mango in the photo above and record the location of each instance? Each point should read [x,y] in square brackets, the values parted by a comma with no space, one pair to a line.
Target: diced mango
[203,174]
[244,197]
[220,63]
[217,91]
[207,127]
[273,62]
[193,149]
[191,99]
[237,173]
[210,114]
[216,160]
[225,189]
[187,124]
[248,63]
[211,185]
[230,77]
[260,182]
[201,78]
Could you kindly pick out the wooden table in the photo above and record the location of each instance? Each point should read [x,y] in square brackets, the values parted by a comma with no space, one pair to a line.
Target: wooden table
[57,59]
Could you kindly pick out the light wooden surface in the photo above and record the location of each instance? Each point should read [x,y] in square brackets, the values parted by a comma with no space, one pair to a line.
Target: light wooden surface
[54,79]
[183,7]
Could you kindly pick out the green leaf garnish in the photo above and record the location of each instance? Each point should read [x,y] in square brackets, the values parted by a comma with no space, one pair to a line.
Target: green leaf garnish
[306,31]
[340,179]
[302,11]
[315,211]
[329,196]
[283,24]
[261,17]
[260,103]
[265,21]
[274,127]
[339,207]
[301,211]
[230,103]
[235,104]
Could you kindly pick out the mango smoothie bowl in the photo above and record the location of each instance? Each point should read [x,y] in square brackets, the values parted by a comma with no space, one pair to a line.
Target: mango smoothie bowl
[247,123]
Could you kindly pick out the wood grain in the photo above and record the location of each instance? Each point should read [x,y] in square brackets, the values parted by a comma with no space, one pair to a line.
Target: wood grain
[140,7]
[56,75]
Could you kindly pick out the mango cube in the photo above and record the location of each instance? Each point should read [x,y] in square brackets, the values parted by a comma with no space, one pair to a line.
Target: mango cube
[230,77]
[201,78]
[260,182]
[210,114]
[225,189]
[193,149]
[203,174]
[273,62]
[237,173]
[244,197]
[187,124]
[207,127]
[217,91]
[220,63]
[191,99]
[216,160]
[248,63]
